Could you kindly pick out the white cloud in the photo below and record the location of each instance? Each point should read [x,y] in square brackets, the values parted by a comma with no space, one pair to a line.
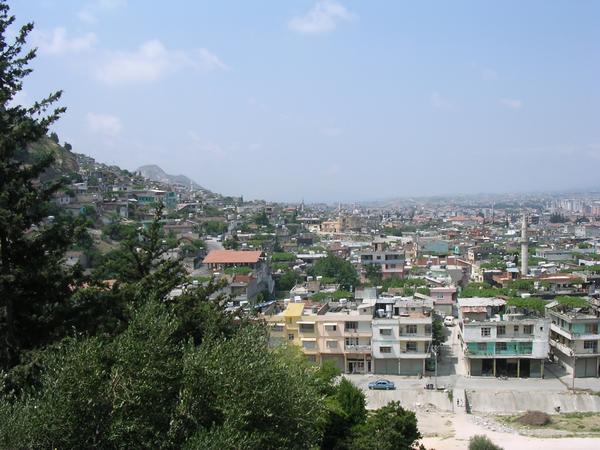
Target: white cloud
[106,125]
[438,101]
[152,61]
[321,18]
[89,13]
[511,103]
[58,42]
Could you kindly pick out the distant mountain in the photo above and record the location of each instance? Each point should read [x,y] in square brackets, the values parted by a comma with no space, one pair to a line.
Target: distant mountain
[154,172]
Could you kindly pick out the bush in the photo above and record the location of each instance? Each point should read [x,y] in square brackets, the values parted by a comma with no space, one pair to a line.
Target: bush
[482,442]
[534,418]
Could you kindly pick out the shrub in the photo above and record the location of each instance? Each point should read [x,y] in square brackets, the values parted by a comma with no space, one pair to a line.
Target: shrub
[482,442]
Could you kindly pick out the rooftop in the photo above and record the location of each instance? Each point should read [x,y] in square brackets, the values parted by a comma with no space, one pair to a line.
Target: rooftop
[232,257]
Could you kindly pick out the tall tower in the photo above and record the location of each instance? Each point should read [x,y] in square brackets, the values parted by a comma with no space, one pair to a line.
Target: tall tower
[524,248]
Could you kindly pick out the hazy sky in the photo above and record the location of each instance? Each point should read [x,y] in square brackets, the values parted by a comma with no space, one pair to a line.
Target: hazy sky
[329,100]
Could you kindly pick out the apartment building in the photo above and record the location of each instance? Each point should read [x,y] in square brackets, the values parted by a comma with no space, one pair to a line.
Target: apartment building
[574,337]
[383,336]
[402,334]
[391,262]
[498,340]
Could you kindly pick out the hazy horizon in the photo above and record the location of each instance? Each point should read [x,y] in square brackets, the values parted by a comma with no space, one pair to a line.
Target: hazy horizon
[329,100]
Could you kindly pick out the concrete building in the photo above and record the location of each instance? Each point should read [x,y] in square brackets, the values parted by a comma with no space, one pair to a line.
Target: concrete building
[390,261]
[499,340]
[574,337]
[402,334]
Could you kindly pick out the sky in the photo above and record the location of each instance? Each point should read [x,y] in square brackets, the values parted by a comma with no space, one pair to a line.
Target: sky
[328,100]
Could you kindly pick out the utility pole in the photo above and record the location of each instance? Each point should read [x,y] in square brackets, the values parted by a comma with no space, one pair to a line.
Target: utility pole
[435,354]
[574,369]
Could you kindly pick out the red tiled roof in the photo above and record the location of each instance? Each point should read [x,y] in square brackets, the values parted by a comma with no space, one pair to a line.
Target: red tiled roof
[232,257]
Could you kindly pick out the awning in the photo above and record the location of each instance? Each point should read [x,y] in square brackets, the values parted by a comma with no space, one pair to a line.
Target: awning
[278,324]
[305,322]
[308,339]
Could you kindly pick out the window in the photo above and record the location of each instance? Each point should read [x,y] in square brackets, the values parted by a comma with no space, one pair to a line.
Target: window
[411,346]
[351,326]
[516,329]
[307,328]
[485,331]
[331,327]
[411,329]
[427,329]
[439,295]
[528,329]
[308,345]
[481,346]
[501,330]
[277,328]
[589,345]
[290,337]
[385,349]
[351,341]
[500,346]
[385,331]
[591,328]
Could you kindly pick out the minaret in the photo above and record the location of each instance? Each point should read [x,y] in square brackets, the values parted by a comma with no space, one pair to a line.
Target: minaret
[524,248]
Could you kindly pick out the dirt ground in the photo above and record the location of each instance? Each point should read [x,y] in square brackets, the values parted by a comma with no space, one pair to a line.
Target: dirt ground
[449,431]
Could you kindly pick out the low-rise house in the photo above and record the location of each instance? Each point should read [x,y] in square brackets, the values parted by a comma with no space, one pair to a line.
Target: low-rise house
[574,336]
[500,340]
[444,299]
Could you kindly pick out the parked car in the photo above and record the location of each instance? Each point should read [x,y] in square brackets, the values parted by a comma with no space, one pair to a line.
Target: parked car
[382,384]
[448,321]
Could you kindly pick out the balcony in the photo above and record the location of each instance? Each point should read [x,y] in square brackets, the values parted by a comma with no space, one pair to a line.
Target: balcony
[568,351]
[358,348]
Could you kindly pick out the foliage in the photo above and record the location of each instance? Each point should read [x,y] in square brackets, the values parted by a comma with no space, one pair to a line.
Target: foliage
[438,332]
[522,285]
[231,243]
[396,282]
[261,219]
[337,268]
[283,257]
[531,303]
[336,295]
[558,218]
[241,270]
[34,285]
[373,272]
[287,280]
[573,302]
[388,428]
[482,442]
[214,227]
[483,290]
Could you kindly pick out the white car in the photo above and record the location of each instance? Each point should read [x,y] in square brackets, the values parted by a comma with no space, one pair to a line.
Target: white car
[449,321]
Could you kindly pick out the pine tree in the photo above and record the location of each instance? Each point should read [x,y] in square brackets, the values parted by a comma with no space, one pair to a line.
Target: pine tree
[33,284]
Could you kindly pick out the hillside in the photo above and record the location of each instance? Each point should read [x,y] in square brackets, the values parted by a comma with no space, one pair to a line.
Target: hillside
[154,172]
[65,161]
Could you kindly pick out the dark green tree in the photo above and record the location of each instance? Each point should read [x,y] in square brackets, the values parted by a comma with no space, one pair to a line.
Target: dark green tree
[389,428]
[373,273]
[438,332]
[338,269]
[34,286]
